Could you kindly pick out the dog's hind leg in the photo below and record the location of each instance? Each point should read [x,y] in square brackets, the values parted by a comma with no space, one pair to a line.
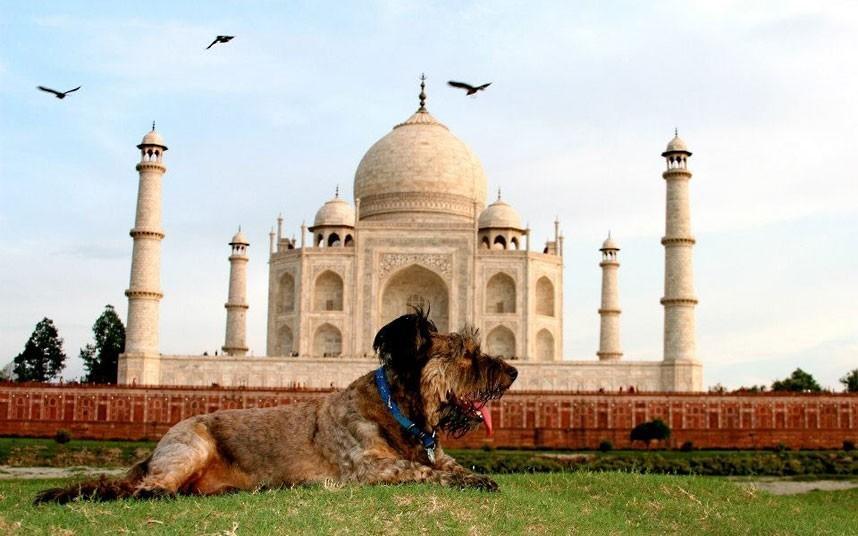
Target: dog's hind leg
[181,457]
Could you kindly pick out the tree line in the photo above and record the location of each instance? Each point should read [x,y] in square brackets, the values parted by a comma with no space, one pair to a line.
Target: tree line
[797,382]
[43,358]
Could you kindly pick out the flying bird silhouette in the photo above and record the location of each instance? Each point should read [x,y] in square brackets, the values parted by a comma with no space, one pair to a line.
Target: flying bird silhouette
[58,94]
[221,39]
[471,89]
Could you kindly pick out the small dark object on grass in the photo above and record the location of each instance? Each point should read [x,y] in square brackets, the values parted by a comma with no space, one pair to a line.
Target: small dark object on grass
[688,446]
[606,446]
[848,445]
[62,436]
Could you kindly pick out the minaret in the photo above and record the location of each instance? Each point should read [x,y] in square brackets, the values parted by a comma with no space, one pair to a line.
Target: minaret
[679,299]
[609,312]
[144,291]
[236,305]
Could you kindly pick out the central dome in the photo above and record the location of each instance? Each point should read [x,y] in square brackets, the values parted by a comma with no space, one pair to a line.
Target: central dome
[420,171]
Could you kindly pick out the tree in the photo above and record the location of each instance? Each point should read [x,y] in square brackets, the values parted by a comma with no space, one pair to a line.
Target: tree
[850,381]
[751,389]
[655,430]
[799,382]
[102,358]
[7,373]
[43,358]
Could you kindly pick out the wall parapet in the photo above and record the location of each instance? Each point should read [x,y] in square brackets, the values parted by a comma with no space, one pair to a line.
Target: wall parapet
[534,419]
[338,372]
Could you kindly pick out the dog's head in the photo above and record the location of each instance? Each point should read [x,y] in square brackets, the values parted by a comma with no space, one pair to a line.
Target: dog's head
[450,373]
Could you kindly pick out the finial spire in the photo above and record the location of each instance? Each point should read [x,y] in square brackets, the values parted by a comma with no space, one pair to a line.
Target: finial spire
[153,126]
[499,194]
[675,131]
[422,93]
[609,234]
[337,192]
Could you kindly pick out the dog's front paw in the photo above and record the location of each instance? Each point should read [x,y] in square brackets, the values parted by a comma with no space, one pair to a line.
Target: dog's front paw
[475,481]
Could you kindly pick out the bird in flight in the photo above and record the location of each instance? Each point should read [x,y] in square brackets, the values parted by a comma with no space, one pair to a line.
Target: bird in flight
[58,94]
[220,39]
[471,89]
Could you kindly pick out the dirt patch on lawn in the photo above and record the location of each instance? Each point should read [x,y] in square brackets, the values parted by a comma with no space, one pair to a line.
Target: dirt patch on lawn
[794,487]
[19,473]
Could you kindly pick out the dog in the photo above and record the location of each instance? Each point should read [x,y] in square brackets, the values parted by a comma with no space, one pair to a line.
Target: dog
[382,429]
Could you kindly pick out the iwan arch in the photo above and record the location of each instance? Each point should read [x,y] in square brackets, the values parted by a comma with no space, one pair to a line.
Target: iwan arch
[419,233]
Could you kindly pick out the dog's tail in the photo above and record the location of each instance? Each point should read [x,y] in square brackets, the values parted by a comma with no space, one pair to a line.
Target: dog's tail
[99,489]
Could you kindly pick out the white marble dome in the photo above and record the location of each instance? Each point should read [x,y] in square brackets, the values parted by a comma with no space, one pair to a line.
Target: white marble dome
[676,145]
[610,244]
[239,238]
[337,212]
[420,171]
[500,215]
[153,138]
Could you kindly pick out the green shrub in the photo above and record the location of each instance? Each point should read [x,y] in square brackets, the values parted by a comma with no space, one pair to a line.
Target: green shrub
[724,463]
[688,446]
[606,445]
[655,430]
[62,436]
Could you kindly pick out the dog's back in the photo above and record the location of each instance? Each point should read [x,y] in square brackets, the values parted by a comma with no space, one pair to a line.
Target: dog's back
[236,449]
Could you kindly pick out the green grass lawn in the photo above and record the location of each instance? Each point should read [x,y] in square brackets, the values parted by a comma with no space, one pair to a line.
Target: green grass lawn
[558,503]
[25,452]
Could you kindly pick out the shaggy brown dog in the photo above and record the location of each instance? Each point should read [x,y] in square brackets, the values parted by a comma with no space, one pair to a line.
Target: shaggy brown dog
[439,381]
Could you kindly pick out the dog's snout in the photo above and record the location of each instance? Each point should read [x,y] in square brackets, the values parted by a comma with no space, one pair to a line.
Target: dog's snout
[513,373]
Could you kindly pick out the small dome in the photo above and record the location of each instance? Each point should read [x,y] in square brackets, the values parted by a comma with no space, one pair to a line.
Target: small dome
[337,211]
[153,138]
[610,244]
[239,238]
[676,145]
[500,215]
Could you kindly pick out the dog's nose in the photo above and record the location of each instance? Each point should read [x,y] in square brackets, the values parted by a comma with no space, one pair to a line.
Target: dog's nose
[513,373]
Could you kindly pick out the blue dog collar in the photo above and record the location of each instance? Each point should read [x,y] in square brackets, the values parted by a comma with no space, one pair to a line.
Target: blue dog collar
[428,440]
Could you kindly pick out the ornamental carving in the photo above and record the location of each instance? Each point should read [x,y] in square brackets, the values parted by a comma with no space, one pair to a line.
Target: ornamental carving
[440,263]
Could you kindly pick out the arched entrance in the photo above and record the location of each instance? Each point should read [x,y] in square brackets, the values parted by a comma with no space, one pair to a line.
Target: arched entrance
[328,341]
[418,286]
[544,346]
[501,343]
[285,341]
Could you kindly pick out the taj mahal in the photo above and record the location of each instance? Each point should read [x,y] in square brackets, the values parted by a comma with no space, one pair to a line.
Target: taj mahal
[418,234]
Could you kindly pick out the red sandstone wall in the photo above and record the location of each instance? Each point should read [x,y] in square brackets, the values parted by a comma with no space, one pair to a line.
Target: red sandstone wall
[522,419]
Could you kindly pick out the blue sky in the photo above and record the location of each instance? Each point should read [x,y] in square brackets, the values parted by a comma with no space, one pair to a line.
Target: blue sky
[584,98]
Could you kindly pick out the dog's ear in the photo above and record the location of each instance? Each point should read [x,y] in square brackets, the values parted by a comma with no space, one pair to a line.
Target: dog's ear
[403,343]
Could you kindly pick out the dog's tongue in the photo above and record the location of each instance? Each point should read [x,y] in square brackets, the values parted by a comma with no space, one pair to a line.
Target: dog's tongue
[487,416]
